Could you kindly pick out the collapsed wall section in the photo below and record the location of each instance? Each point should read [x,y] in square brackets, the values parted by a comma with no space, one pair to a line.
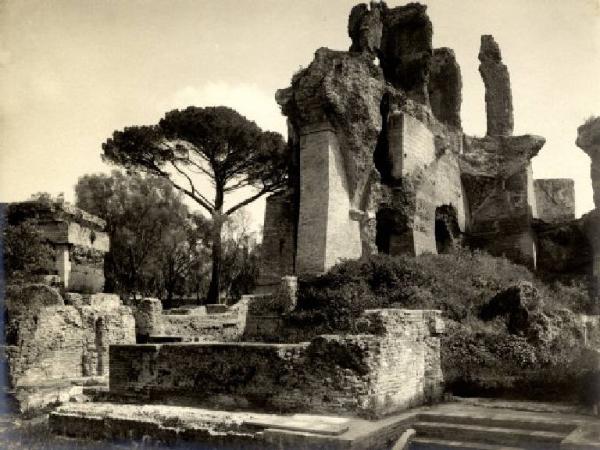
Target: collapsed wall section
[333,107]
[383,165]
[498,95]
[393,365]
[496,171]
[497,177]
[445,87]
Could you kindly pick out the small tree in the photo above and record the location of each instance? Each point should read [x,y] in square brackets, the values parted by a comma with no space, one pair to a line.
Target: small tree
[240,257]
[145,218]
[214,143]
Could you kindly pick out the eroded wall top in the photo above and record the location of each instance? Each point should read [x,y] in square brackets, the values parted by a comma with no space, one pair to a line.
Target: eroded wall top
[588,139]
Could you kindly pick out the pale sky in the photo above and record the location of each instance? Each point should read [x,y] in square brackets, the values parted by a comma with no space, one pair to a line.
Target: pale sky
[71,72]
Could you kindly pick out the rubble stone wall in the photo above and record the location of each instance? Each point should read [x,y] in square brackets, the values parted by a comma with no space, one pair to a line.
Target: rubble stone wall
[563,248]
[87,237]
[394,365]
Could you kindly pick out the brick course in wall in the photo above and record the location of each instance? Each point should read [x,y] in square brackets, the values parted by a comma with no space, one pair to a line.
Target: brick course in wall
[393,365]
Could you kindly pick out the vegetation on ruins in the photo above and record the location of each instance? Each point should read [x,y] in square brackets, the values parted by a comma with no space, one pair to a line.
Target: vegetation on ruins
[483,353]
[212,144]
[158,248]
[24,252]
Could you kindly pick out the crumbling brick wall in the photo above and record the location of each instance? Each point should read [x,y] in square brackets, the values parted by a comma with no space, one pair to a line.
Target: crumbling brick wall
[57,341]
[394,365]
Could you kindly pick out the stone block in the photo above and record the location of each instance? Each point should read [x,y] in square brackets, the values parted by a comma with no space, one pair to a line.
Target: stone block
[287,295]
[148,317]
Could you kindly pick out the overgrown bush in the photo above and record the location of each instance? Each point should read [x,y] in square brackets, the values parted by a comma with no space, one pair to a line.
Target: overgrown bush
[25,253]
[457,283]
[545,359]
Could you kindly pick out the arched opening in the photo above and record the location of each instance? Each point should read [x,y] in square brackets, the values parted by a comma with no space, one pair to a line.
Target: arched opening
[447,232]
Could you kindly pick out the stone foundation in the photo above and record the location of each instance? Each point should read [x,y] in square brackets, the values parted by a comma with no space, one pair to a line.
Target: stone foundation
[394,365]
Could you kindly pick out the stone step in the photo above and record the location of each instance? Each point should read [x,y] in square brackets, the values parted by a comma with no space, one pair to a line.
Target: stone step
[490,435]
[443,444]
[534,422]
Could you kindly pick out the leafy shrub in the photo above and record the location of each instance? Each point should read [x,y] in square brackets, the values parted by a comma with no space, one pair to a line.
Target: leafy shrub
[457,283]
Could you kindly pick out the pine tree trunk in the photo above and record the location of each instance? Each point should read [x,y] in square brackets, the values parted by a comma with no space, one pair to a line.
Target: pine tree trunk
[217,254]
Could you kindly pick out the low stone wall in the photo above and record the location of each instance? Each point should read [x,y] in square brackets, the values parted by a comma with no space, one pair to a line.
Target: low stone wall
[394,365]
[193,324]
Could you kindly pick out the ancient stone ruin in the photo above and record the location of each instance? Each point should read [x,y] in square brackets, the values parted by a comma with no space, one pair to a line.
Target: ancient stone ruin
[58,329]
[381,163]
[77,238]
[588,139]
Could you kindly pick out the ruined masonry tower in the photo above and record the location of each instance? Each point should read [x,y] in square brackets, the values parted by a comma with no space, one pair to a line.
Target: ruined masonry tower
[381,163]
[588,139]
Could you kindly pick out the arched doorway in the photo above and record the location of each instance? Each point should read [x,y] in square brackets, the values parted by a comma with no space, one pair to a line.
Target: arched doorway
[447,231]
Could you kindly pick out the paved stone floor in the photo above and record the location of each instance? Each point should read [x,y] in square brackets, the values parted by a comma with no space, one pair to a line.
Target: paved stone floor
[287,430]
